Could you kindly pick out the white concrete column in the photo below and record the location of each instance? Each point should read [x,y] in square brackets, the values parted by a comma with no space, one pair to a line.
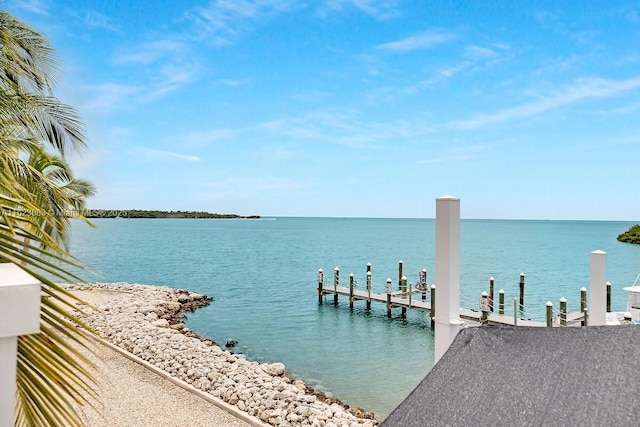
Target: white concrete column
[447,323]
[19,315]
[598,289]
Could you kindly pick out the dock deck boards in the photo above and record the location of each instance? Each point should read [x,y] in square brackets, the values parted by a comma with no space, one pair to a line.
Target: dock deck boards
[400,299]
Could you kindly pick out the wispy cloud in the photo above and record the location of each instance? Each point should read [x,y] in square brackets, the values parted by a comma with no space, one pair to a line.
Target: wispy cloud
[378,9]
[272,152]
[241,187]
[39,7]
[166,64]
[631,108]
[148,53]
[235,82]
[423,40]
[204,138]
[556,23]
[474,56]
[346,127]
[615,142]
[582,90]
[109,96]
[223,21]
[154,154]
[446,159]
[96,20]
[171,78]
[445,73]
[460,154]
[479,53]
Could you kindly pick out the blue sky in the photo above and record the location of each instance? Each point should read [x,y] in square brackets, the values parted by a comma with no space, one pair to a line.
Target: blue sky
[366,108]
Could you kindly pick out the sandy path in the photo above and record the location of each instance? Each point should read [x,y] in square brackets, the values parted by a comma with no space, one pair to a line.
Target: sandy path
[132,395]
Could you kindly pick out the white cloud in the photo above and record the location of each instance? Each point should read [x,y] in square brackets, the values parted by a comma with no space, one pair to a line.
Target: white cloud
[461,154]
[154,154]
[583,89]
[346,127]
[171,78]
[446,159]
[108,96]
[223,21]
[378,9]
[39,7]
[95,20]
[478,53]
[424,40]
[151,52]
[261,183]
[235,82]
[204,138]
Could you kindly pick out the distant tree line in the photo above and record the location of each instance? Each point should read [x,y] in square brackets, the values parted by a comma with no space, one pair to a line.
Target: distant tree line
[632,235]
[139,213]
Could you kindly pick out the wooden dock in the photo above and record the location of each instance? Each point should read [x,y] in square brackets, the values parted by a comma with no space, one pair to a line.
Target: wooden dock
[414,299]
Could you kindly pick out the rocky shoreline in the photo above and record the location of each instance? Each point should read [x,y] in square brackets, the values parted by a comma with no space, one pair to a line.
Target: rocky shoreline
[147,321]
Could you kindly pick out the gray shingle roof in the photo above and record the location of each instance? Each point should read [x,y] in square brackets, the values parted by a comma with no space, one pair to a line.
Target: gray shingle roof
[519,376]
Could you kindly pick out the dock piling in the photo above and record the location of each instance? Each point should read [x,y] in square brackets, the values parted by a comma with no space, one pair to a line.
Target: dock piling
[484,308]
[423,283]
[501,302]
[320,284]
[400,274]
[522,292]
[491,285]
[351,288]
[336,282]
[608,297]
[433,305]
[563,311]
[403,286]
[403,289]
[583,302]
[369,287]
[389,297]
[549,314]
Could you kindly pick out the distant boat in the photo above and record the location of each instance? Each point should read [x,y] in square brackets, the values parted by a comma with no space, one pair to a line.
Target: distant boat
[633,306]
[633,303]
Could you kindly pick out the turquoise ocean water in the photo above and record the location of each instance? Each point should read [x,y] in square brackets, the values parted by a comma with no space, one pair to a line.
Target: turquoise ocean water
[262,275]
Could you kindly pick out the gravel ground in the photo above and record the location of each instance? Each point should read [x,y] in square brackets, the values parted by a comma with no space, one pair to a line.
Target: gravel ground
[132,395]
[220,388]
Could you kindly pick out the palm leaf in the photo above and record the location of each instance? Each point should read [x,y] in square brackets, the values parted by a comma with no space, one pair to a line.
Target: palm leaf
[37,194]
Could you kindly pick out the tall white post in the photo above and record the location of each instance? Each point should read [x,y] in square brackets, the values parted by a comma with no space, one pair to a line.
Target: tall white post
[19,315]
[447,323]
[598,289]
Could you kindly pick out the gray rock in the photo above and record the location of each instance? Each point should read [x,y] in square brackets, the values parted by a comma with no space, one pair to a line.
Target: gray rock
[274,369]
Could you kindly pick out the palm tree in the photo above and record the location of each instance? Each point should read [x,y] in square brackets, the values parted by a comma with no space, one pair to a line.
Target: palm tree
[38,194]
[51,183]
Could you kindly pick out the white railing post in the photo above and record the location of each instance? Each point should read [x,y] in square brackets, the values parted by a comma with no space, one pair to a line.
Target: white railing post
[598,289]
[447,273]
[19,315]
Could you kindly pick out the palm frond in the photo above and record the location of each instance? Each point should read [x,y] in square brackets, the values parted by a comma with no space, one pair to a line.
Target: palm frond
[37,195]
